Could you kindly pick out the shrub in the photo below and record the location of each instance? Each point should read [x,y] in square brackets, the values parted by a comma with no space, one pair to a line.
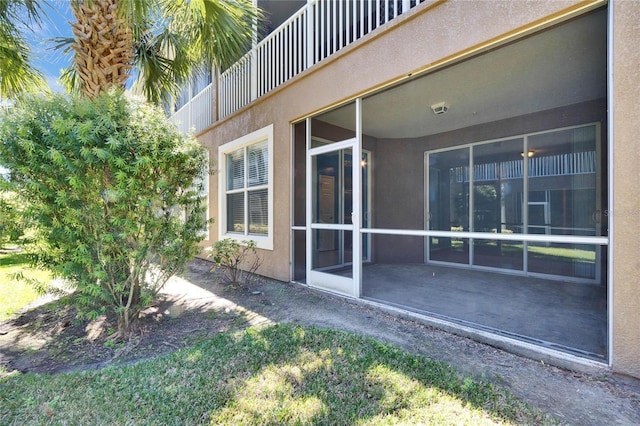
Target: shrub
[110,183]
[238,261]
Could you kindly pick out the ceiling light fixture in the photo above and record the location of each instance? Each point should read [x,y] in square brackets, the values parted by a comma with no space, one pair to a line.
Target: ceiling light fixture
[440,108]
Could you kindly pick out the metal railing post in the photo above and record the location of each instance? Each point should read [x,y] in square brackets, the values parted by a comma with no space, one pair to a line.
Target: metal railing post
[310,33]
[406,5]
[254,61]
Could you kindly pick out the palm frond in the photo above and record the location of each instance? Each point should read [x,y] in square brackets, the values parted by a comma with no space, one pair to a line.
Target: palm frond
[220,31]
[17,73]
[62,43]
[23,11]
[172,39]
[139,14]
[191,37]
[161,66]
[70,80]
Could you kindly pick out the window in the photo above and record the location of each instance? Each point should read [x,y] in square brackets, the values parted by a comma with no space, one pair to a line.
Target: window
[246,206]
[547,183]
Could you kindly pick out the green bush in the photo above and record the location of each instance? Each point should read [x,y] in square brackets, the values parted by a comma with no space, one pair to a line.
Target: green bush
[110,182]
[238,261]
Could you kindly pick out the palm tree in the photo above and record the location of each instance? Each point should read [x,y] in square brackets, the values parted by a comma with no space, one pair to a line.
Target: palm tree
[17,73]
[159,43]
[162,42]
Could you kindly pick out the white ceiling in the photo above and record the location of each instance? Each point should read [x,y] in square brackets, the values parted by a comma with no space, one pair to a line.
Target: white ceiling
[560,66]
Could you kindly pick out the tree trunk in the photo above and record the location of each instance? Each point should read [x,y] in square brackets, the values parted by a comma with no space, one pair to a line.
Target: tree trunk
[103,46]
[130,307]
[124,324]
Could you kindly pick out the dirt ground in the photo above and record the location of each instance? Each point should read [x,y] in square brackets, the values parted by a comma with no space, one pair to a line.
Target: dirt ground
[46,338]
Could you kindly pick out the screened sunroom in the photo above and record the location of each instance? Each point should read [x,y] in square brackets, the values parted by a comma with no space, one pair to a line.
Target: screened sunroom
[475,193]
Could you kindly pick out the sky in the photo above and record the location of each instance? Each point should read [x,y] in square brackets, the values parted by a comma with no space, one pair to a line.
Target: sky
[55,24]
[49,61]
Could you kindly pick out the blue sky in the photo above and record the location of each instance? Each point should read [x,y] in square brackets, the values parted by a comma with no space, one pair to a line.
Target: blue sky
[45,58]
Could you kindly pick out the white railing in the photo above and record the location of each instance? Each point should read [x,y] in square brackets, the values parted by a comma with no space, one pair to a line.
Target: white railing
[201,109]
[552,165]
[234,89]
[563,164]
[283,54]
[315,32]
[181,118]
[197,114]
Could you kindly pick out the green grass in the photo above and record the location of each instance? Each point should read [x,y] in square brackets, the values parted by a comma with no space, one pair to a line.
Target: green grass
[566,254]
[543,252]
[550,253]
[16,294]
[282,374]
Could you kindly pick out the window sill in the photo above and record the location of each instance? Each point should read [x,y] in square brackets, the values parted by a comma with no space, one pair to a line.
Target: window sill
[262,242]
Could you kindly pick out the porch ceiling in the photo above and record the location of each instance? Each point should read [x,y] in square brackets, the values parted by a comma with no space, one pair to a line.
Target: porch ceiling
[560,66]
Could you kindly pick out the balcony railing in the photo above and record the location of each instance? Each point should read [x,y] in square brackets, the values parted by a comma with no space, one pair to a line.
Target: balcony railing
[552,165]
[196,114]
[318,30]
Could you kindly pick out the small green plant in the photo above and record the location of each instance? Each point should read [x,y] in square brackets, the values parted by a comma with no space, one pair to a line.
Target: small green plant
[237,260]
[110,344]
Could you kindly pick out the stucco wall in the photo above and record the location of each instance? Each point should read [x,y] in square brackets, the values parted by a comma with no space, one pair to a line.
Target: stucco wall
[626,194]
[407,46]
[431,36]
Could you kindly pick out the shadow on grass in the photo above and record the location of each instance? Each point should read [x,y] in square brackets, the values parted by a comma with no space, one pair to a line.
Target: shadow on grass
[306,375]
[14,258]
[279,374]
[49,338]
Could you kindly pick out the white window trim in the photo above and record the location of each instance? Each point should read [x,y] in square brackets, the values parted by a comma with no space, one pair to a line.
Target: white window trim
[205,192]
[266,133]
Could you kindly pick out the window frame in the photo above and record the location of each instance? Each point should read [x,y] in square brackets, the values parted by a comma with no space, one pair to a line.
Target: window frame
[205,194]
[258,136]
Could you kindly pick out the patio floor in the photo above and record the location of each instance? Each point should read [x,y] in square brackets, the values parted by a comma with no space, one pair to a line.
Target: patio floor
[566,316]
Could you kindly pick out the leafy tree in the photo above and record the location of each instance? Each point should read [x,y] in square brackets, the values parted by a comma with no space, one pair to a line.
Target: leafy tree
[107,178]
[110,182]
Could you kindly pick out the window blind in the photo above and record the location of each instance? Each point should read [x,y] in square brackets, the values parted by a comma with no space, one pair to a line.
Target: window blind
[235,212]
[235,170]
[258,164]
[258,212]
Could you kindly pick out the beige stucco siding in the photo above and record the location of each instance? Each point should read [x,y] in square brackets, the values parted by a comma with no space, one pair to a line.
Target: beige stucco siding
[429,35]
[626,194]
[428,38]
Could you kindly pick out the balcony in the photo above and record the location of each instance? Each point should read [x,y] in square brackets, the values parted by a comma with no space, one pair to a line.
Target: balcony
[313,33]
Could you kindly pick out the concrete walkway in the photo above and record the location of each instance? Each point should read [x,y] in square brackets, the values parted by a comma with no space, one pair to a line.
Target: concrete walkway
[594,397]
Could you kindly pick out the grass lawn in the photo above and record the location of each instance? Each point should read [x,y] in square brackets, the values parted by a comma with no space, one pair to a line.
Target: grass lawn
[15,294]
[282,374]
